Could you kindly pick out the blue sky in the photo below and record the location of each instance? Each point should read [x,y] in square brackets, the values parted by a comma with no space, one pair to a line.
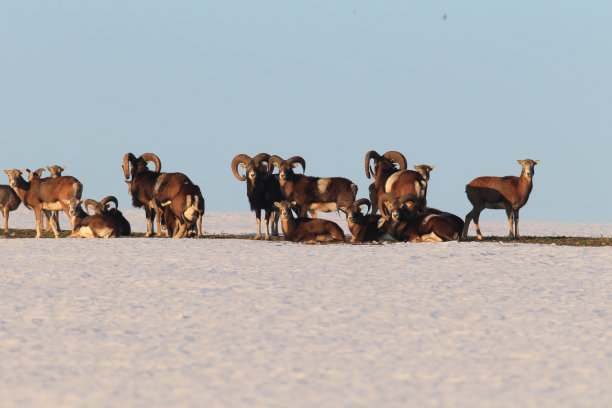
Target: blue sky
[198,82]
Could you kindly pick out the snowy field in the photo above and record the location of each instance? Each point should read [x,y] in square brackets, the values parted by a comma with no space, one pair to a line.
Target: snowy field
[242,323]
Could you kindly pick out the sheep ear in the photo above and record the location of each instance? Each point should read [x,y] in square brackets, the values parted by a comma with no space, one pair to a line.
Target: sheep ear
[294,203]
[6,171]
[432,167]
[537,161]
[381,222]
[63,168]
[416,167]
[277,204]
[243,165]
[23,171]
[294,165]
[342,208]
[520,162]
[361,207]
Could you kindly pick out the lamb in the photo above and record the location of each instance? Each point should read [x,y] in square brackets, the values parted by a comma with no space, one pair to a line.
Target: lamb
[312,193]
[263,189]
[303,229]
[510,193]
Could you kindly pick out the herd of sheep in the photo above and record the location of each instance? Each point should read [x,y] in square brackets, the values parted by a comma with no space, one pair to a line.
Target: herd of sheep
[274,187]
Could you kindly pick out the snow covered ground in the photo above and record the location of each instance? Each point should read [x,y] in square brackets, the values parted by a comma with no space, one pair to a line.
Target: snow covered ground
[242,323]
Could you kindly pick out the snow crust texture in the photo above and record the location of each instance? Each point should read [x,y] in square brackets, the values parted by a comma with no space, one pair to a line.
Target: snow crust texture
[243,323]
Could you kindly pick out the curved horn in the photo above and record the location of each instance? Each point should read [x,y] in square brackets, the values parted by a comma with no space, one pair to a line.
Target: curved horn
[150,157]
[297,159]
[111,199]
[363,201]
[240,158]
[372,154]
[128,159]
[381,204]
[39,172]
[398,158]
[275,160]
[414,198]
[34,174]
[90,202]
[263,157]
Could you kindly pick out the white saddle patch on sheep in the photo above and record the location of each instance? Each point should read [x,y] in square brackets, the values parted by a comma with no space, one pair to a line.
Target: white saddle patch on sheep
[322,185]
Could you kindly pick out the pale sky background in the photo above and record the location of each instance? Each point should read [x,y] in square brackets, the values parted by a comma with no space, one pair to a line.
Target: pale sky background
[82,83]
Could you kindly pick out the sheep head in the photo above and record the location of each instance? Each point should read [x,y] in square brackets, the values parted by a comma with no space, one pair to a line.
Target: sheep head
[286,209]
[256,167]
[354,212]
[285,167]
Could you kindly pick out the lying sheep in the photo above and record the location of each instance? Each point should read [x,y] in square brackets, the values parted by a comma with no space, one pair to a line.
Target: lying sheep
[307,229]
[364,227]
[91,226]
[408,220]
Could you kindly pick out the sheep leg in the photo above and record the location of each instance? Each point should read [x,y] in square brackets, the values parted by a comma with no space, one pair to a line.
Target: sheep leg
[158,212]
[48,228]
[199,227]
[150,215]
[275,223]
[267,221]
[258,217]
[67,211]
[49,216]
[468,219]
[5,211]
[516,220]
[510,214]
[182,230]
[38,214]
[56,218]
[476,218]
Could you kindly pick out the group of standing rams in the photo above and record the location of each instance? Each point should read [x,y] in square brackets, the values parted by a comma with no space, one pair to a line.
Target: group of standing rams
[399,194]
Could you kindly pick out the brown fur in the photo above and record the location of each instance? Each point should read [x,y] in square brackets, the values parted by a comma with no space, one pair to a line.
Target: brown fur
[151,188]
[407,220]
[307,229]
[9,201]
[509,193]
[312,193]
[403,181]
[44,195]
[183,212]
[91,226]
[363,227]
[263,189]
